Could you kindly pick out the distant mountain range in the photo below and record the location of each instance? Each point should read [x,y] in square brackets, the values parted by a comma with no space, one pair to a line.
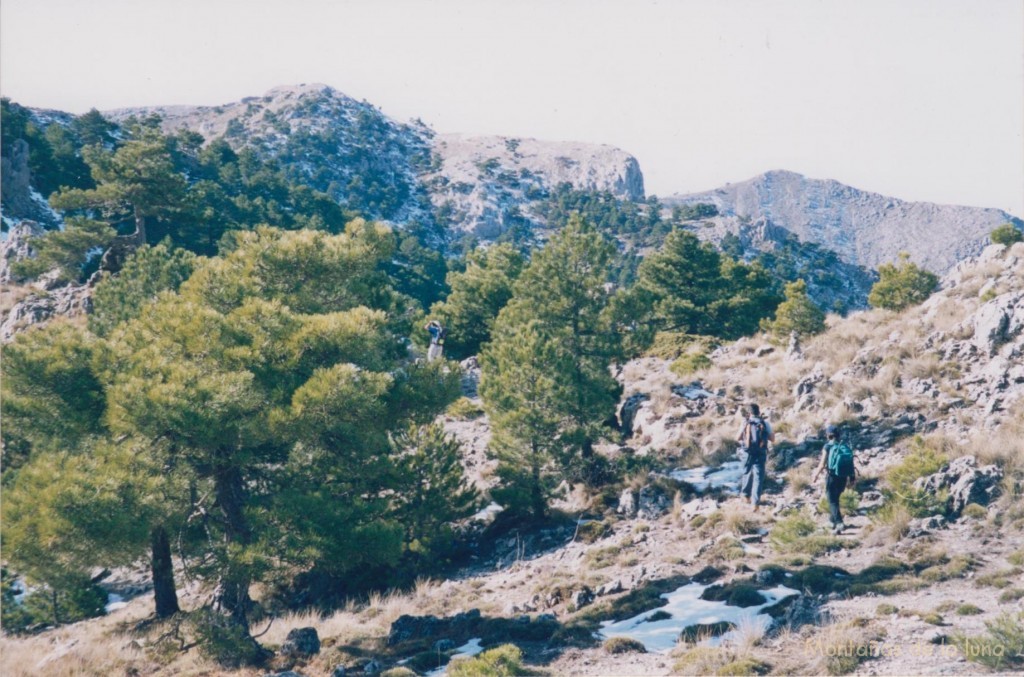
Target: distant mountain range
[405,172]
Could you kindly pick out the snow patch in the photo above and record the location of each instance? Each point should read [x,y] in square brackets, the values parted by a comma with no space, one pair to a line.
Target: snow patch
[467,650]
[726,476]
[115,602]
[488,514]
[687,608]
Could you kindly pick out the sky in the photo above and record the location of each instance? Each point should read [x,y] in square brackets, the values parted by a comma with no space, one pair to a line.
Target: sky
[917,99]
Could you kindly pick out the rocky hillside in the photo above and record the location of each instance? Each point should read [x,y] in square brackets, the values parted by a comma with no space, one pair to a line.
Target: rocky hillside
[669,572]
[864,228]
[404,172]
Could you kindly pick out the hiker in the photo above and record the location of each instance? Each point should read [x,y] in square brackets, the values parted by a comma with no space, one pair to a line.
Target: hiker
[837,459]
[437,334]
[754,437]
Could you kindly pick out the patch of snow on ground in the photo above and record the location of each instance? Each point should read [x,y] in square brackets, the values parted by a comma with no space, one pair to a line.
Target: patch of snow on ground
[44,204]
[726,476]
[467,650]
[489,513]
[115,602]
[687,608]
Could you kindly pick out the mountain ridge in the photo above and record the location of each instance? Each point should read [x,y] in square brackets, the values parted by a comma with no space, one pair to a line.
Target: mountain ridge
[864,227]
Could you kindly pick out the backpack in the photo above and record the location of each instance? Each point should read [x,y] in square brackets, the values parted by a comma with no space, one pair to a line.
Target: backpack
[840,460]
[757,439]
[442,332]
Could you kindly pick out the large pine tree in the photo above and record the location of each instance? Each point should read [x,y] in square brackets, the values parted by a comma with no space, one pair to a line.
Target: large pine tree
[546,378]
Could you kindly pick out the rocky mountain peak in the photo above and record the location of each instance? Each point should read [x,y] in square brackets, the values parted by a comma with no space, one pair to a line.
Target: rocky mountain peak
[864,228]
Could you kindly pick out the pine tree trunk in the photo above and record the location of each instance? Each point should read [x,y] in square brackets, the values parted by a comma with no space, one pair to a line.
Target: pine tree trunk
[140,228]
[536,496]
[234,585]
[164,593]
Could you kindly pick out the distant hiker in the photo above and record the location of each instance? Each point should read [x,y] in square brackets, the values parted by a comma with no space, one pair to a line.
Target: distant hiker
[437,334]
[754,437]
[837,458]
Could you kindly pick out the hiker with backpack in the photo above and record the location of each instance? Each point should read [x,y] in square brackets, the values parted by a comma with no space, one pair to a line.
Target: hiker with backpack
[837,459]
[437,334]
[754,437]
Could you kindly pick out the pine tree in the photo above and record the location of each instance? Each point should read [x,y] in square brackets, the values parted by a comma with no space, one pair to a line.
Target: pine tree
[558,334]
[689,287]
[477,296]
[436,492]
[796,314]
[135,184]
[901,286]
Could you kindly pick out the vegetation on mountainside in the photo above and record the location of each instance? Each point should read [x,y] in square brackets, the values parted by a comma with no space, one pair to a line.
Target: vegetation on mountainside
[797,314]
[901,286]
[250,413]
[546,384]
[1006,234]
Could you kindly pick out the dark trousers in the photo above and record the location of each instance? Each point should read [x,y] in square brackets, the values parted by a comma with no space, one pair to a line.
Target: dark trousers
[833,489]
[753,481]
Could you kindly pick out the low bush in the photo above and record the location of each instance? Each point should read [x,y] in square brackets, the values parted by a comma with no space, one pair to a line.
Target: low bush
[799,533]
[968,610]
[1001,647]
[465,409]
[503,661]
[618,645]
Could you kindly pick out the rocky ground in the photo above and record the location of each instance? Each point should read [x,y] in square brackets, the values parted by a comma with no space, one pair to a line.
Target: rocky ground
[673,559]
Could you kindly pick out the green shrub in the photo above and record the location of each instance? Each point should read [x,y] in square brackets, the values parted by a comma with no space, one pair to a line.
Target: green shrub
[1001,647]
[974,511]
[590,532]
[617,645]
[799,533]
[743,667]
[77,599]
[902,286]
[1006,234]
[225,642]
[465,409]
[1011,595]
[399,671]
[689,364]
[885,610]
[798,313]
[968,610]
[669,345]
[921,461]
[503,661]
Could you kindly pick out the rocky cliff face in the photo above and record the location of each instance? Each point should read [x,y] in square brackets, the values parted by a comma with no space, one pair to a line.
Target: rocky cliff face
[864,228]
[404,172]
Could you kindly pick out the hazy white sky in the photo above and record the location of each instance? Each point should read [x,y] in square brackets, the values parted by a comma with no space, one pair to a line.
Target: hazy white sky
[920,99]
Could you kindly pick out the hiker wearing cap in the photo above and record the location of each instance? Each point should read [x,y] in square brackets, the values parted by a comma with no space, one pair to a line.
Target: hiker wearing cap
[837,459]
[437,334]
[754,437]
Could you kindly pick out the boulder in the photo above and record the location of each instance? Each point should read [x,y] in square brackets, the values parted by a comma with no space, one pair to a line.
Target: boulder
[799,611]
[301,643]
[442,645]
[582,597]
[17,247]
[652,503]
[628,410]
[794,353]
[609,588]
[924,526]
[966,482]
[407,628]
[627,503]
[998,319]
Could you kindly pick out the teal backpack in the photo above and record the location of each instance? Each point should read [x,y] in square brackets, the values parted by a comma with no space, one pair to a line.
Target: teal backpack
[840,460]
